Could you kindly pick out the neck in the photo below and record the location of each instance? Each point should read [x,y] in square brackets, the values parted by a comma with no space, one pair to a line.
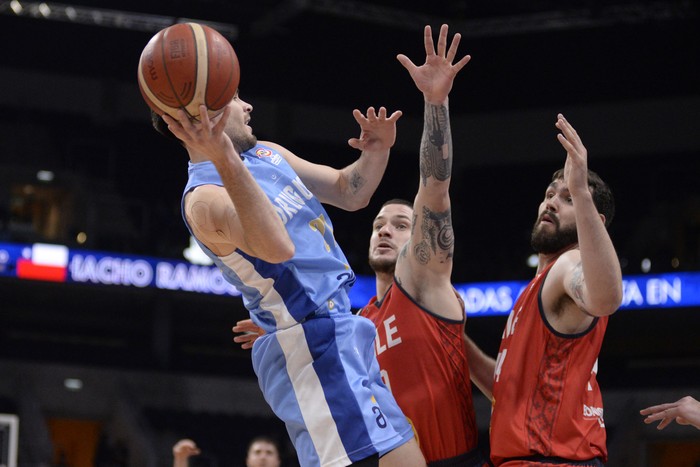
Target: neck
[383,281]
[545,259]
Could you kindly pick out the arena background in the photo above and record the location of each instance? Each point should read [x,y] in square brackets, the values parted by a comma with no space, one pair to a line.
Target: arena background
[114,375]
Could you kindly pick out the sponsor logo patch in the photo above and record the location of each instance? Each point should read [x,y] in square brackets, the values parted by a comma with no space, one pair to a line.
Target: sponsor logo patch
[264,152]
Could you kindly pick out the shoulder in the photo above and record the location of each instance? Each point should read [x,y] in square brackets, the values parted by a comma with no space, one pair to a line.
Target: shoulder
[564,264]
[207,204]
[277,147]
[204,194]
[554,288]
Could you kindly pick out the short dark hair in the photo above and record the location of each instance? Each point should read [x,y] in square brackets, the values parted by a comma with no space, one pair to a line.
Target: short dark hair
[264,439]
[162,127]
[398,201]
[602,194]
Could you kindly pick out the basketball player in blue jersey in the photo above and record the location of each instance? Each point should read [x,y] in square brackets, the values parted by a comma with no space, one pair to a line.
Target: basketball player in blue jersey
[255,209]
[417,313]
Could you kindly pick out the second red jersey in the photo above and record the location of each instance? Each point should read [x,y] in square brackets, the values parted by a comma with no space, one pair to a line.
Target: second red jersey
[546,400]
[423,361]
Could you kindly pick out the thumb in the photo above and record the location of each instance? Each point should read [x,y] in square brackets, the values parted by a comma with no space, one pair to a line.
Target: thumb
[406,62]
[355,143]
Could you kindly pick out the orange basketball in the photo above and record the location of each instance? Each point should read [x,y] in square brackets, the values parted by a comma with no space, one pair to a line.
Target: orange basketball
[186,65]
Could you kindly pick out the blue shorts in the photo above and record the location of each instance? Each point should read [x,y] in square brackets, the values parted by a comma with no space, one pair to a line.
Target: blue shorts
[322,379]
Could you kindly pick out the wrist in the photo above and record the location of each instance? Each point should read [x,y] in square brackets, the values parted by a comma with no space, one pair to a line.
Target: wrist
[436,100]
[375,154]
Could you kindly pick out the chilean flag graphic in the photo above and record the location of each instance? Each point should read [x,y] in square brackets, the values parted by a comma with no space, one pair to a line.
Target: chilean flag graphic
[44,262]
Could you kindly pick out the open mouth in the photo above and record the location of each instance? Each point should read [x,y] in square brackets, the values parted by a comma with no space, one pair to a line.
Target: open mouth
[548,219]
[384,246]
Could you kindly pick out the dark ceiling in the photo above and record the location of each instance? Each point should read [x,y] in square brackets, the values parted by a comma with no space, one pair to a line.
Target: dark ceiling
[341,53]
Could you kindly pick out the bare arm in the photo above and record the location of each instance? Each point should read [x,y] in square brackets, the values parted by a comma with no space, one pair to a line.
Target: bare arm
[245,220]
[182,451]
[594,283]
[425,265]
[481,368]
[685,411]
[352,187]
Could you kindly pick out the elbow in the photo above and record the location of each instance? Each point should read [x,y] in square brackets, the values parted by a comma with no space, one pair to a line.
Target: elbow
[277,251]
[616,299]
[610,305]
[282,252]
[606,311]
[355,203]
[359,204]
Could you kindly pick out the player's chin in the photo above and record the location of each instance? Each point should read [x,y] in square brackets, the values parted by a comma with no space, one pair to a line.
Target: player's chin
[383,260]
[244,144]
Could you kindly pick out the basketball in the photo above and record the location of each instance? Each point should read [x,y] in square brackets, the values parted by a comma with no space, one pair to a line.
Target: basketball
[186,65]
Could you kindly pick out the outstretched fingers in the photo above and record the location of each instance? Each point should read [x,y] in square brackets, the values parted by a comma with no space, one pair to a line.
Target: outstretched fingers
[442,40]
[395,116]
[568,131]
[568,137]
[460,64]
[428,41]
[360,117]
[452,51]
[406,62]
[373,116]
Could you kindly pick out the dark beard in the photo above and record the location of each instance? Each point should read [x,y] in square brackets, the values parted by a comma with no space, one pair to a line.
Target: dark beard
[547,244]
[382,266]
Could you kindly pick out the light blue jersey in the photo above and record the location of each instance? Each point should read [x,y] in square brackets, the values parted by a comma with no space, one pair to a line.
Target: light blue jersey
[281,295]
[315,364]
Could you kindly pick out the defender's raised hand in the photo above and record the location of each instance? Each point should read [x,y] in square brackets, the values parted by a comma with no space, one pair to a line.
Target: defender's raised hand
[377,131]
[576,165]
[435,77]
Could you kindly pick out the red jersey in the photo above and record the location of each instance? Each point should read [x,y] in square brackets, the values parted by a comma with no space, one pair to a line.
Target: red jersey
[546,400]
[423,362]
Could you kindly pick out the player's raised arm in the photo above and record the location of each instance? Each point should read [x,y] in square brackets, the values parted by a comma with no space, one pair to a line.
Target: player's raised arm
[425,266]
[352,187]
[594,283]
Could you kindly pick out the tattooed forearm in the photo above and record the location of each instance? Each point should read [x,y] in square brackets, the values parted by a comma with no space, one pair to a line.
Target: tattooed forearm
[577,283]
[437,237]
[436,144]
[356,182]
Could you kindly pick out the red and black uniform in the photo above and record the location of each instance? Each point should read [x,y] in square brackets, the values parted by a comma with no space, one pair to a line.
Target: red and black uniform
[423,361]
[547,406]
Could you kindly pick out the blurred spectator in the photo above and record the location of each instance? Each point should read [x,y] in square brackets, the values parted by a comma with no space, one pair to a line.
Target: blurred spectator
[262,452]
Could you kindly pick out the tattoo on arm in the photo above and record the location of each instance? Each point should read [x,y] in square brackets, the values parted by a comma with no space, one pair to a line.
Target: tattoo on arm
[357,181]
[437,237]
[436,144]
[577,282]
